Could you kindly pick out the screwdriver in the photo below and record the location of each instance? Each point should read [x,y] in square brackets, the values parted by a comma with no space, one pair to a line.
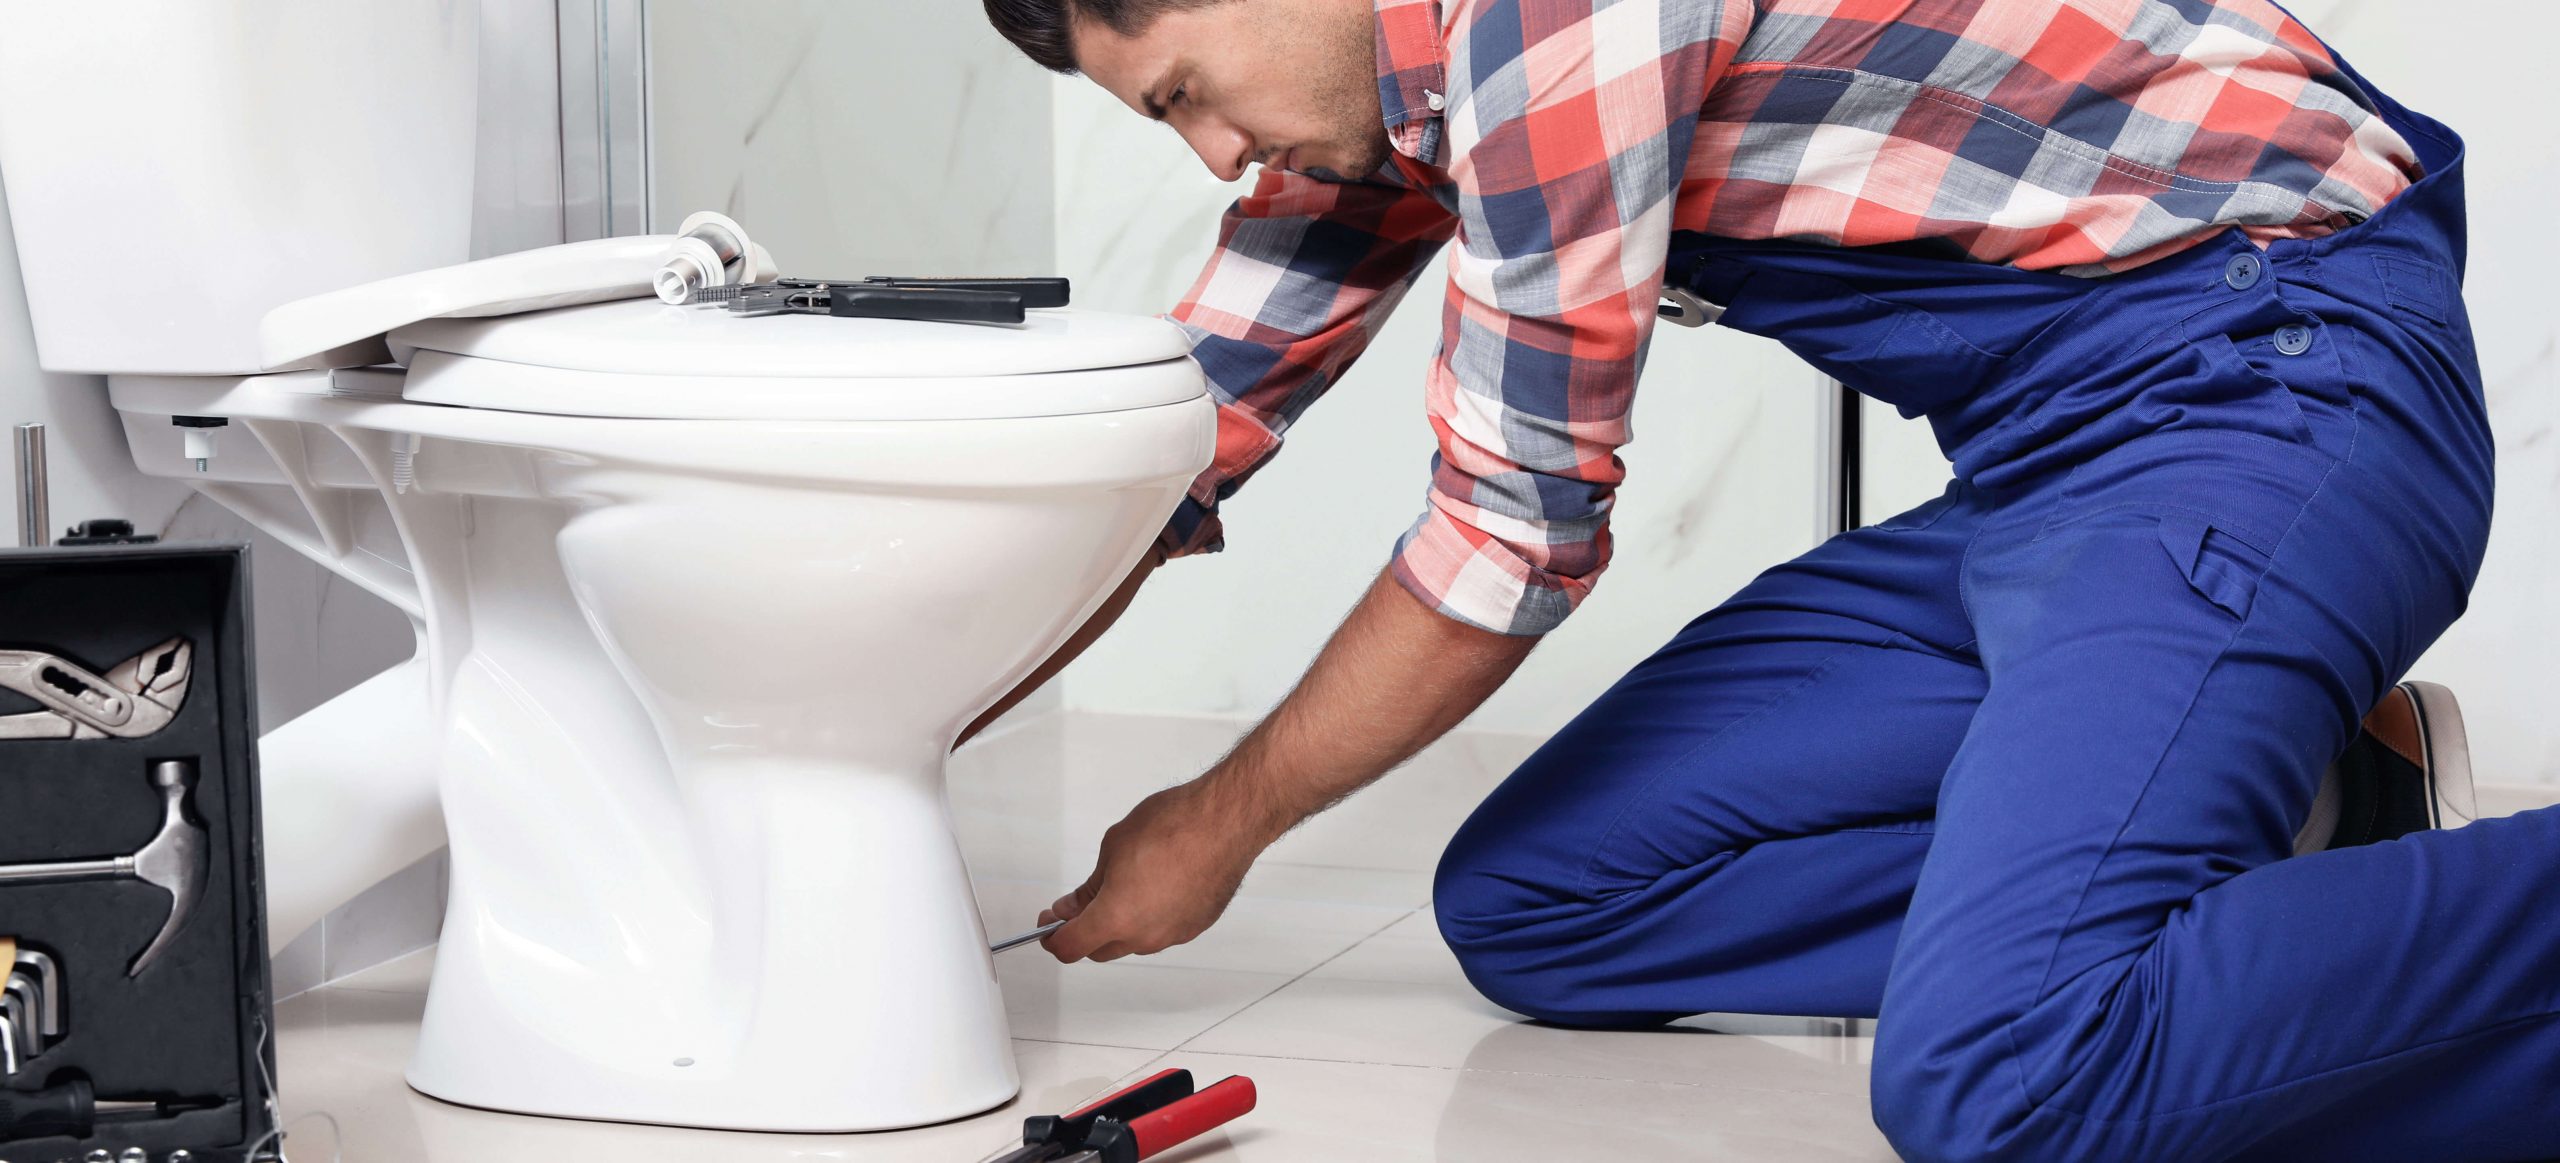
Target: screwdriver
[71,1109]
[1020,939]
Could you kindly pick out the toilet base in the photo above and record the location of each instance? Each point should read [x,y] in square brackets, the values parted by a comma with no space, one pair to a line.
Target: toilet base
[796,949]
[904,1095]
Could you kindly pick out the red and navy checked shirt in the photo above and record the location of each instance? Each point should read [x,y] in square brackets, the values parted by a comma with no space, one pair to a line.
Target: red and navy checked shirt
[1561,142]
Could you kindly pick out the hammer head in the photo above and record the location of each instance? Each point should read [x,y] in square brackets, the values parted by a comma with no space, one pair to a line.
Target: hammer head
[175,859]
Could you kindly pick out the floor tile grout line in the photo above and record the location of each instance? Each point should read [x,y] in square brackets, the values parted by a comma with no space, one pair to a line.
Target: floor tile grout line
[1094,1045]
[1707,1086]
[1302,976]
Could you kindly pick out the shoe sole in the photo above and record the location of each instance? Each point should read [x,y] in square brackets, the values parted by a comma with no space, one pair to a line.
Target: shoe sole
[2446,746]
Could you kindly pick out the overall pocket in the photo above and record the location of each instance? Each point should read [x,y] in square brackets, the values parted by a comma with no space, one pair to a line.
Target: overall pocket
[2258,400]
[2217,563]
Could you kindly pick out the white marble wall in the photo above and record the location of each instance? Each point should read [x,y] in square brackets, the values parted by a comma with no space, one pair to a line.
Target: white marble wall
[2499,657]
[852,137]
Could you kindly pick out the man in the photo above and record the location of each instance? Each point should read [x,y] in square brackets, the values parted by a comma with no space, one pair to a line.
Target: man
[2023,769]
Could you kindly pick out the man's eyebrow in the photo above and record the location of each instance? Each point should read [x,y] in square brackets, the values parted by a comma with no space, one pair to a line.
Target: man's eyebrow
[1147,100]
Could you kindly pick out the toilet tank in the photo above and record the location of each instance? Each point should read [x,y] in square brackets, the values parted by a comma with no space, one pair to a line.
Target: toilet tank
[175,168]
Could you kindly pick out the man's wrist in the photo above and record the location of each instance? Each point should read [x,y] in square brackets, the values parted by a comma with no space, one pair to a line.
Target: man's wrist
[1244,803]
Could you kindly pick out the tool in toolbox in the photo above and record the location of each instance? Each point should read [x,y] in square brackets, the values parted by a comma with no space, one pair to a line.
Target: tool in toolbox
[38,970]
[30,1005]
[136,698]
[954,300]
[1136,1122]
[73,1109]
[24,1015]
[174,861]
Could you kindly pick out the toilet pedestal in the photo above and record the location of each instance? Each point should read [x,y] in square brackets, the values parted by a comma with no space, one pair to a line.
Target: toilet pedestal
[827,974]
[704,869]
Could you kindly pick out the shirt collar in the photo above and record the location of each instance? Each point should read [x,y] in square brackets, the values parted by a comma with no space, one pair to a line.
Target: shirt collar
[1412,76]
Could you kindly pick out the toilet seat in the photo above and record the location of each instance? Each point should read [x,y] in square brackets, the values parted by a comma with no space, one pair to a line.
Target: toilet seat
[641,359]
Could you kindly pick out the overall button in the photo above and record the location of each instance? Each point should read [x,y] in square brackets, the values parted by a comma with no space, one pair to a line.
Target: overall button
[2242,271]
[2293,339]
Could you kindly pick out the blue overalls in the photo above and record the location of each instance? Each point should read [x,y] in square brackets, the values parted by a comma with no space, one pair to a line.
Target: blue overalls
[2019,769]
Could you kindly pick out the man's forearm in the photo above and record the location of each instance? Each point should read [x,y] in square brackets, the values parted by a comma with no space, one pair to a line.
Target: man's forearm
[1396,676]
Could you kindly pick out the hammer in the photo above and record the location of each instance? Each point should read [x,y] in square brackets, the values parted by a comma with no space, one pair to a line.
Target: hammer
[174,860]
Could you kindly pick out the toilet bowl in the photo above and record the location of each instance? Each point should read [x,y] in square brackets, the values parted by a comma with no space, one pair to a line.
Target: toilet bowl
[703,602]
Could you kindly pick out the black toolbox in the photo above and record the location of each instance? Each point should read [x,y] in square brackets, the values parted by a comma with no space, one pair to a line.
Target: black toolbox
[194,1030]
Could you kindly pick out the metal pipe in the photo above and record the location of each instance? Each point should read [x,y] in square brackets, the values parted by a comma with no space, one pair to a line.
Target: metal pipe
[1837,492]
[35,504]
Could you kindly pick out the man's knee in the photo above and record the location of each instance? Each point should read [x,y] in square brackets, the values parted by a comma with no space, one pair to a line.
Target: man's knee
[1478,913]
[1526,947]
[1529,974]
[1505,931]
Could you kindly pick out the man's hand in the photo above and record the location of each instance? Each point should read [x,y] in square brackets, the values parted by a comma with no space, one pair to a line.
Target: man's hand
[1165,875]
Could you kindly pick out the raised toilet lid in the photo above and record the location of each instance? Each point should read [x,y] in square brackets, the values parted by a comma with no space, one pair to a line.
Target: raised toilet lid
[640,358]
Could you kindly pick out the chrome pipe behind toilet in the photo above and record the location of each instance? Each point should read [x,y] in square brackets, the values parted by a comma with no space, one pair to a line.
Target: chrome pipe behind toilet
[35,517]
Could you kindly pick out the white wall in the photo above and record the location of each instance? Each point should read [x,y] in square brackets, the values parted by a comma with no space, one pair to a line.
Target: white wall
[1721,476]
[852,137]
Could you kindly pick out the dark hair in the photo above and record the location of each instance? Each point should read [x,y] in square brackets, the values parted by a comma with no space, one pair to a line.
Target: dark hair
[1044,29]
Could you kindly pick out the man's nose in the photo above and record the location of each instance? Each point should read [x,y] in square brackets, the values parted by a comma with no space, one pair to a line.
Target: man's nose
[1225,149]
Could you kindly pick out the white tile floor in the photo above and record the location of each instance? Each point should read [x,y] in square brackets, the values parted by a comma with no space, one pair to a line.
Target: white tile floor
[1325,983]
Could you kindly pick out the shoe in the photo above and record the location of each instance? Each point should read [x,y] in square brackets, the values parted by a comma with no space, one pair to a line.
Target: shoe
[2409,770]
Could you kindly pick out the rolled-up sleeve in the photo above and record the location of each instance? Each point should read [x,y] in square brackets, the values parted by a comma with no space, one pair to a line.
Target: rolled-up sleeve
[1569,127]
[1304,274]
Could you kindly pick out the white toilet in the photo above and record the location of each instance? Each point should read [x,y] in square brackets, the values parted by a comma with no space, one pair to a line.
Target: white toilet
[702,601]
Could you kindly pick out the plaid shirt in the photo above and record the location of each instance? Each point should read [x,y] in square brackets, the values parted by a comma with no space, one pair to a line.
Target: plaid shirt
[1563,141]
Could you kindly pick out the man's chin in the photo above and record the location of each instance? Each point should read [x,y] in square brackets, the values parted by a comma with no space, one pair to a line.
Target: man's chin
[1370,163]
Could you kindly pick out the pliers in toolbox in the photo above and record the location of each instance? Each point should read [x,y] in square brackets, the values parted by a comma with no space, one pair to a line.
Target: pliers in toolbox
[140,696]
[1133,1123]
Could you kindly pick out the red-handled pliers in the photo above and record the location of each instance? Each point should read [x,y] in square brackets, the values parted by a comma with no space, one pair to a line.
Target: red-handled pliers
[1133,1123]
